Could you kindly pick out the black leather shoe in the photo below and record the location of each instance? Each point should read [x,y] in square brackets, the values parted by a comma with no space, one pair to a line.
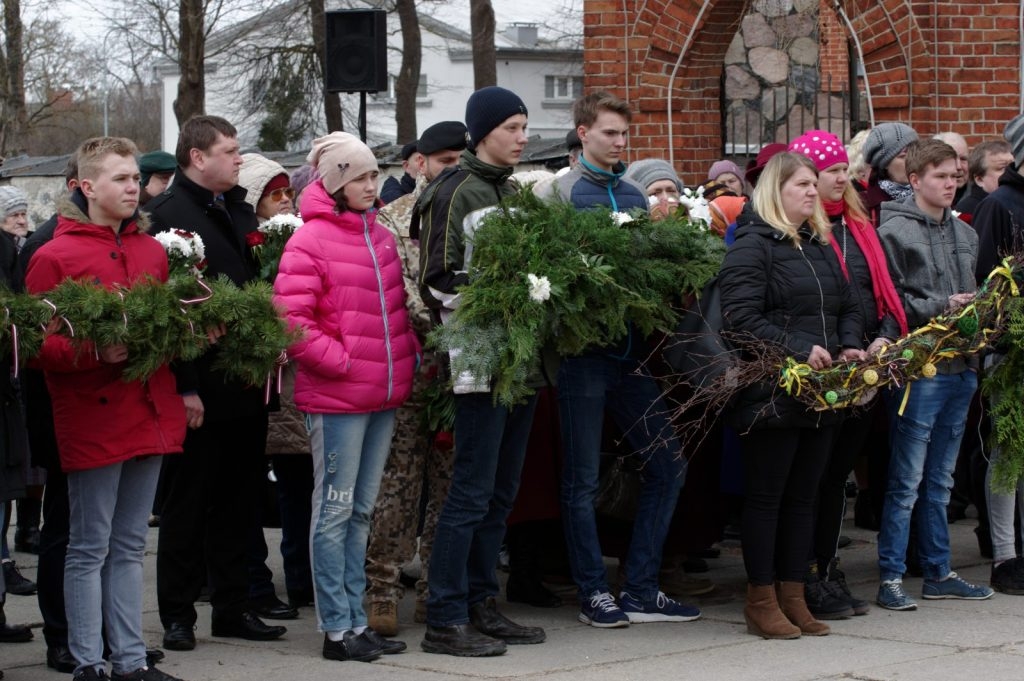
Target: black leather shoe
[154,656]
[247,626]
[487,620]
[387,646]
[352,646]
[179,636]
[273,608]
[461,640]
[61,659]
[15,633]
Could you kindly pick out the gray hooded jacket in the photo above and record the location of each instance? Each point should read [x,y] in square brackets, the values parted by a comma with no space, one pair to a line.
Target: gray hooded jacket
[929,261]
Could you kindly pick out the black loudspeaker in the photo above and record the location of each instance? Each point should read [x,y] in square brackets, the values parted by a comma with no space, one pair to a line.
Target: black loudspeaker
[357,47]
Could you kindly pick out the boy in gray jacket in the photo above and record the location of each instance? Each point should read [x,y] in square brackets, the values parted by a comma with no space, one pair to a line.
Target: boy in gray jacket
[932,256]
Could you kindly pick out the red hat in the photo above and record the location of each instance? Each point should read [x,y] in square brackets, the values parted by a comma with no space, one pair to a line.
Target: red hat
[822,147]
[755,166]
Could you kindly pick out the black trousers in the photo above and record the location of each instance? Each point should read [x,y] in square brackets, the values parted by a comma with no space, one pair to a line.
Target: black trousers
[782,469]
[849,443]
[53,547]
[209,510]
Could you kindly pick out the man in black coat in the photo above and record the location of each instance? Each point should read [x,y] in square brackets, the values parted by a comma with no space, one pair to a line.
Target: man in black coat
[209,490]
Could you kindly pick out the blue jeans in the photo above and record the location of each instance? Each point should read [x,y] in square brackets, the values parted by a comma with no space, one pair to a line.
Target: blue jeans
[924,443]
[587,386]
[349,452]
[490,445]
[103,572]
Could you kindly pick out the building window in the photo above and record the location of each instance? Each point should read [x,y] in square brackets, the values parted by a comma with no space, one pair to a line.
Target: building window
[421,89]
[563,87]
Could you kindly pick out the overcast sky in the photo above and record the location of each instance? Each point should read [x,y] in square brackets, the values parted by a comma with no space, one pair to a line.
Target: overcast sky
[456,12]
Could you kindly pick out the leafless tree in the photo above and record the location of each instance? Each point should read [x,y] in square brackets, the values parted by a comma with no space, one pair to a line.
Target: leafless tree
[481,25]
[408,80]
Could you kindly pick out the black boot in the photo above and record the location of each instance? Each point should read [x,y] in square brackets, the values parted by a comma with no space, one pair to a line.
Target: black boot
[823,602]
[26,533]
[12,633]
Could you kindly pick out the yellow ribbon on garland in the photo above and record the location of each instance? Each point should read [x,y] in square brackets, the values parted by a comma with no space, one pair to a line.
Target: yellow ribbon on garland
[793,374]
[1006,270]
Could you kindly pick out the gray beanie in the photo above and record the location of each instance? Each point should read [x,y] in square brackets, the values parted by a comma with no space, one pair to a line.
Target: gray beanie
[650,170]
[885,142]
[1014,134]
[12,200]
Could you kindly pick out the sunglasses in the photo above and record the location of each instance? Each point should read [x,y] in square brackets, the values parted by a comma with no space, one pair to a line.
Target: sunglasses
[282,193]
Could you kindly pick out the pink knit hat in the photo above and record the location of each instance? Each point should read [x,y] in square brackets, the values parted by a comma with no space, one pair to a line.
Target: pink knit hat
[822,147]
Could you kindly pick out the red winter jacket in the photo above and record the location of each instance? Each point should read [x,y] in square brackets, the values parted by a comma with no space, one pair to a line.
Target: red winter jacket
[99,418]
[340,279]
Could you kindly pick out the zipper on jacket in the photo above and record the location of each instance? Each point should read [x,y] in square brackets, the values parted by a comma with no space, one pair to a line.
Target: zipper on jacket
[383,306]
[821,296]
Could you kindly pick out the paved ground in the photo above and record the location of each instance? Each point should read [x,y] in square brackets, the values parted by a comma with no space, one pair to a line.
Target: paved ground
[958,640]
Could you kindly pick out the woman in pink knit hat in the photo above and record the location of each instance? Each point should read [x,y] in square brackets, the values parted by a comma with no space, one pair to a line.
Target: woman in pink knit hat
[862,259]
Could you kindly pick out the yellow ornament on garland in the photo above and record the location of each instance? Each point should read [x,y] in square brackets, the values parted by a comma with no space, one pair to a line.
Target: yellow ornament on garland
[870,377]
[928,370]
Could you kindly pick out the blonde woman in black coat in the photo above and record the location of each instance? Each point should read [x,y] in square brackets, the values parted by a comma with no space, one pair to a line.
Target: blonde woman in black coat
[782,286]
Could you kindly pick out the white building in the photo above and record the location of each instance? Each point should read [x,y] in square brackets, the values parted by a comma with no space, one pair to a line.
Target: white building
[546,72]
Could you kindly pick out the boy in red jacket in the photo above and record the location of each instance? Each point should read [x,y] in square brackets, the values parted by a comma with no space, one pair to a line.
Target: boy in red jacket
[110,432]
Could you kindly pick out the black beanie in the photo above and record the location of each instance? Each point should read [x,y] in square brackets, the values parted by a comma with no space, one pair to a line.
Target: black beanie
[488,108]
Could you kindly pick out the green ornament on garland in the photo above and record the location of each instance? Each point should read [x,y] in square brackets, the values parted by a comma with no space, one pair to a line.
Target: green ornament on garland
[908,355]
[831,397]
[967,325]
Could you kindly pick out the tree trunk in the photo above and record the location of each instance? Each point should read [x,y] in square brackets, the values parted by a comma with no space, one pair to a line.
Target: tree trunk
[191,99]
[481,23]
[15,136]
[409,76]
[332,103]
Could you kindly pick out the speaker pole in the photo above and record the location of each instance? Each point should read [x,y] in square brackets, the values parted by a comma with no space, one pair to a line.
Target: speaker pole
[362,116]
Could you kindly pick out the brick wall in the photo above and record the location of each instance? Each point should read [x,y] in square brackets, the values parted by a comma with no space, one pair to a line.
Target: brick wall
[936,65]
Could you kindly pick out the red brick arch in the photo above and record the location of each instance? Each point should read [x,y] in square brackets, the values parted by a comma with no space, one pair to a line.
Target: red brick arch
[936,65]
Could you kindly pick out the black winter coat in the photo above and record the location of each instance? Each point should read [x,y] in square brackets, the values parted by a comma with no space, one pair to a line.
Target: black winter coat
[185,205]
[793,296]
[13,436]
[999,222]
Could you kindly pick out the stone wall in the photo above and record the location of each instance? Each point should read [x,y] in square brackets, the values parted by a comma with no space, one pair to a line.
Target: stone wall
[774,88]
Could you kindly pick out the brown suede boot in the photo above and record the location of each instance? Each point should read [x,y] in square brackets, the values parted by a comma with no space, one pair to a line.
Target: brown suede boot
[794,607]
[764,618]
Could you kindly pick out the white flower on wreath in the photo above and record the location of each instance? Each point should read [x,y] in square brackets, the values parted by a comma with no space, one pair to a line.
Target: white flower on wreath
[281,224]
[621,218]
[696,204]
[540,288]
[175,244]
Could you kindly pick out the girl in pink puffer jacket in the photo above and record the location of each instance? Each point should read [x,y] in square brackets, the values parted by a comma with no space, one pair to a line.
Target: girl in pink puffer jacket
[340,280]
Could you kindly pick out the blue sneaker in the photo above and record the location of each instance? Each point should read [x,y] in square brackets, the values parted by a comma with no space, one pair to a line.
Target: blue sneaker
[953,586]
[891,596]
[661,608]
[602,612]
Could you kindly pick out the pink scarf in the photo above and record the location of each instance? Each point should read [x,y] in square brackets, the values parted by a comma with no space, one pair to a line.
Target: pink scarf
[886,298]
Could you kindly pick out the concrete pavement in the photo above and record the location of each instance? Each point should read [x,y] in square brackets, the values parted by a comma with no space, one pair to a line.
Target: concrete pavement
[955,640]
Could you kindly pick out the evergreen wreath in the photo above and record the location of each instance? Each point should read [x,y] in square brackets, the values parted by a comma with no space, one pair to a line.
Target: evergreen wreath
[547,276]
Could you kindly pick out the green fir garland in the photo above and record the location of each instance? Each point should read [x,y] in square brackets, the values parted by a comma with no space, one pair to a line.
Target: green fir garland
[546,277]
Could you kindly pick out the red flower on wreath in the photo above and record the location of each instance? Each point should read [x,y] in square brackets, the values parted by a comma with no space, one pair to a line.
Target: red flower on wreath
[254,239]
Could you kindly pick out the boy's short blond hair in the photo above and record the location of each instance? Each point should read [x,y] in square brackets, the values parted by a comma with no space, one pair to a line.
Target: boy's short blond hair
[91,152]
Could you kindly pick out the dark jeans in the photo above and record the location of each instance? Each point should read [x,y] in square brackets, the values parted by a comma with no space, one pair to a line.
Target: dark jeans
[782,469]
[490,445]
[208,513]
[587,386]
[849,442]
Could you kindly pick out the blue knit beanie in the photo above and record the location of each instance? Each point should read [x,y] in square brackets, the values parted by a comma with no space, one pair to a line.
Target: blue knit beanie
[488,108]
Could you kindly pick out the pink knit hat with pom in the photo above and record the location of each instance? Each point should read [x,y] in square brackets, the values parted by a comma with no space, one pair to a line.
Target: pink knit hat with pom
[822,147]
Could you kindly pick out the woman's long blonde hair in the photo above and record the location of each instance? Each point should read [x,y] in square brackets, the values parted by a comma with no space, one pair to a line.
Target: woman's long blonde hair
[767,200]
